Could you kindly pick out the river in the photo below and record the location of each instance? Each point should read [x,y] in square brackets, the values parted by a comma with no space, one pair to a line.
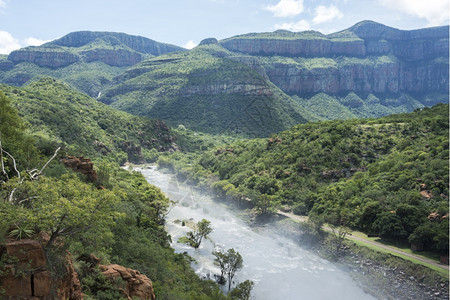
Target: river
[279,267]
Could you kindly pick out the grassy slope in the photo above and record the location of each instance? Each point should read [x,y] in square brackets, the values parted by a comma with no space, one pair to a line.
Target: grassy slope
[204,91]
[60,115]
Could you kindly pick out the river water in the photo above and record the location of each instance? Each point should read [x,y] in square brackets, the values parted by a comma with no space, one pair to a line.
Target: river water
[279,267]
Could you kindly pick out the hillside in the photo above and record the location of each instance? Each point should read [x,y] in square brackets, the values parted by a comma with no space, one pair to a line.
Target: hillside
[57,226]
[253,84]
[385,176]
[206,90]
[59,115]
[384,70]
[87,60]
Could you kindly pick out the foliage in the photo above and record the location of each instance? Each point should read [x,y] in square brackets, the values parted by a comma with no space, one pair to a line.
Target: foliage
[58,115]
[194,238]
[63,207]
[120,218]
[388,176]
[229,262]
[228,96]
[21,232]
[242,291]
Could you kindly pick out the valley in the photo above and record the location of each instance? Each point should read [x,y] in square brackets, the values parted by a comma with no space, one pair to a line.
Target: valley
[346,132]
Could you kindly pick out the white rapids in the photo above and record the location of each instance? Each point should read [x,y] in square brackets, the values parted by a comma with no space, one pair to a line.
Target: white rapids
[279,267]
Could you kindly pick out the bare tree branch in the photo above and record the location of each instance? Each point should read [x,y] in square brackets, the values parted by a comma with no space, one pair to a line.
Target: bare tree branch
[34,174]
[14,163]
[46,164]
[1,158]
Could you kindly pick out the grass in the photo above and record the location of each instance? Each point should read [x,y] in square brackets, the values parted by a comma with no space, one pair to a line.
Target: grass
[443,273]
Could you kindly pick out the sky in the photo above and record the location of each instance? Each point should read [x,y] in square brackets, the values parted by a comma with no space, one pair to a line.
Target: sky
[187,22]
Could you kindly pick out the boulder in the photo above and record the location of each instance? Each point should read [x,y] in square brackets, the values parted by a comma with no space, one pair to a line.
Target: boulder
[82,165]
[28,275]
[137,284]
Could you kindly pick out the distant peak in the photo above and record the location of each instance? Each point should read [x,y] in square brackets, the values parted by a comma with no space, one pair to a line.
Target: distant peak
[209,41]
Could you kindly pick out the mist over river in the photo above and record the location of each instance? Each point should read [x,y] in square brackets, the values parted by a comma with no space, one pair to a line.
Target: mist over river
[279,267]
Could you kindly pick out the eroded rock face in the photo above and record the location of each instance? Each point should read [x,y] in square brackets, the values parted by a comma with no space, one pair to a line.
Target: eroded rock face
[80,164]
[27,275]
[137,284]
[43,58]
[366,58]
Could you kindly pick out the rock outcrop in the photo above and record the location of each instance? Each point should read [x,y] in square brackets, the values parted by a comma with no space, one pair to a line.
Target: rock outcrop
[82,165]
[137,285]
[28,276]
[366,58]
[44,57]
[111,48]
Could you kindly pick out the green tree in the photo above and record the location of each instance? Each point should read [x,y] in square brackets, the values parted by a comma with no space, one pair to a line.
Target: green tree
[265,204]
[242,291]
[230,262]
[147,201]
[194,238]
[65,207]
[14,143]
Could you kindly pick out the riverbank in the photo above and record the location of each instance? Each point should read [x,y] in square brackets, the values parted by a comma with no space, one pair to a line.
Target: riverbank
[383,275]
[379,274]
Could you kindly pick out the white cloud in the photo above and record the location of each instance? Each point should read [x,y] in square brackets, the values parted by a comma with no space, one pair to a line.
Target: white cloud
[31,41]
[8,43]
[190,44]
[2,3]
[286,8]
[326,14]
[436,12]
[301,25]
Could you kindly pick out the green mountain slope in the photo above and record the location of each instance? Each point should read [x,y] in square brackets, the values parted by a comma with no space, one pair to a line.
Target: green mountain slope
[402,69]
[205,89]
[255,84]
[118,218]
[87,60]
[59,115]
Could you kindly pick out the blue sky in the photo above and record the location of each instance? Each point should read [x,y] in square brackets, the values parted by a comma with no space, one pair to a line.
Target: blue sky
[187,22]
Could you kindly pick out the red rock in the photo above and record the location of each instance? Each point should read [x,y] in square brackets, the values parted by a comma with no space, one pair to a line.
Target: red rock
[81,165]
[137,285]
[28,252]
[37,282]
[42,283]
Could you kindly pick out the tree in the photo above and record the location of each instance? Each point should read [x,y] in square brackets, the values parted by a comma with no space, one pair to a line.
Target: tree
[265,204]
[147,201]
[194,238]
[13,140]
[65,207]
[242,291]
[230,262]
[337,237]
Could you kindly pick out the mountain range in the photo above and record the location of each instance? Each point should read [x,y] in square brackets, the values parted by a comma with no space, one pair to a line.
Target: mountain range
[254,84]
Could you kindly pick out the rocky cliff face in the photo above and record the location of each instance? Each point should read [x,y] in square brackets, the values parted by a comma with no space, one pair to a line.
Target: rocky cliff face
[366,58]
[28,275]
[137,43]
[114,49]
[44,57]
[296,47]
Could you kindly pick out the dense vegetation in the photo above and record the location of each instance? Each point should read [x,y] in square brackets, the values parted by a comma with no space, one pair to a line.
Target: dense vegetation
[385,176]
[87,60]
[204,90]
[253,84]
[60,116]
[119,217]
